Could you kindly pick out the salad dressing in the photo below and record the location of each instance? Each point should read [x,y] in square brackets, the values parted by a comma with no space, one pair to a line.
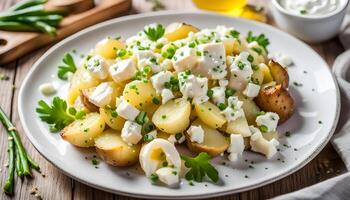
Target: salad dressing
[310,7]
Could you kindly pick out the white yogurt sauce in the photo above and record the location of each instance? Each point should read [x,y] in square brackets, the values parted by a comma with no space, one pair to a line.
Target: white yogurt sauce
[310,7]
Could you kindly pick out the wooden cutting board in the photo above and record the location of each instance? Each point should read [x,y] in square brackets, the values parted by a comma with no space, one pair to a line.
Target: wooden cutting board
[16,44]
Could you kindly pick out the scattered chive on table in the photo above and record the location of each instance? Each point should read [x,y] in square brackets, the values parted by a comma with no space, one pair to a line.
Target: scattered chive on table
[53,184]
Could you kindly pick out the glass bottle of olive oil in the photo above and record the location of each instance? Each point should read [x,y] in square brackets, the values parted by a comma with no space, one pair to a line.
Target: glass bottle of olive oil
[229,7]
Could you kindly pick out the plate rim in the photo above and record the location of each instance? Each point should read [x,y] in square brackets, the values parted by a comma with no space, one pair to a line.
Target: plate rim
[40,149]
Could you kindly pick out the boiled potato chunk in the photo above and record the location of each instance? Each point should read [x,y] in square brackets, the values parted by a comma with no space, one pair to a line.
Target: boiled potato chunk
[82,133]
[258,76]
[210,114]
[139,93]
[112,149]
[107,47]
[82,79]
[279,73]
[267,74]
[214,142]
[177,31]
[232,47]
[238,126]
[270,135]
[173,117]
[276,99]
[249,107]
[112,119]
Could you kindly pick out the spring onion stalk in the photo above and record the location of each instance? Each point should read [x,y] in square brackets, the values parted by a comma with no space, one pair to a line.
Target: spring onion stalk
[34,10]
[44,28]
[15,26]
[19,169]
[26,4]
[8,187]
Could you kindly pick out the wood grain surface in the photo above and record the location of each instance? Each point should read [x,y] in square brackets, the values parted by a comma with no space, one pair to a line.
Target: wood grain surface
[54,185]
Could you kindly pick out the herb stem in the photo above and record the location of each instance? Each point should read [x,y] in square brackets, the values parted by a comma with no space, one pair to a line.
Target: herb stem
[8,187]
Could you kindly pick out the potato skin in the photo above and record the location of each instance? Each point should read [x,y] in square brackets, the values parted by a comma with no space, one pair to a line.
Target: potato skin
[82,133]
[116,152]
[84,96]
[276,99]
[278,73]
[211,136]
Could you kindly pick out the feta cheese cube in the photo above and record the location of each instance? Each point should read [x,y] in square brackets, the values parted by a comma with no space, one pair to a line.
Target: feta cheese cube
[167,95]
[98,67]
[47,89]
[166,64]
[236,147]
[193,87]
[173,138]
[269,120]
[158,80]
[241,68]
[252,90]
[123,70]
[282,59]
[184,58]
[127,111]
[259,144]
[196,134]
[131,132]
[213,60]
[234,109]
[102,95]
[148,58]
[168,175]
[219,92]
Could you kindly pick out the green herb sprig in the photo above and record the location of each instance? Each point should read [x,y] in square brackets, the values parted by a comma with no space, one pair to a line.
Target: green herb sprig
[261,39]
[58,115]
[154,32]
[200,167]
[66,66]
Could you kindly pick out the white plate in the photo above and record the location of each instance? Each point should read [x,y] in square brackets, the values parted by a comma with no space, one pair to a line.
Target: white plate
[317,100]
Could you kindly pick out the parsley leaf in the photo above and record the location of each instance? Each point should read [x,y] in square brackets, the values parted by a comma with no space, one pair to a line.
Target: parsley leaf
[57,115]
[68,65]
[200,166]
[154,32]
[261,39]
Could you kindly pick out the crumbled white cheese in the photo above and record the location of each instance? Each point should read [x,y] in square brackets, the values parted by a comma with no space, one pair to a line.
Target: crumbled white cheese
[166,64]
[131,132]
[253,44]
[148,58]
[252,90]
[269,120]
[172,139]
[127,111]
[241,67]
[158,80]
[123,70]
[102,95]
[193,87]
[219,92]
[47,89]
[98,67]
[236,147]
[168,175]
[184,58]
[167,95]
[259,144]
[213,60]
[196,134]
[234,109]
[181,139]
[282,59]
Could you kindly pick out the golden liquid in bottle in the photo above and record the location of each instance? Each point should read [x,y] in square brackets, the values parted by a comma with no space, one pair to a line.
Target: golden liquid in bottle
[229,7]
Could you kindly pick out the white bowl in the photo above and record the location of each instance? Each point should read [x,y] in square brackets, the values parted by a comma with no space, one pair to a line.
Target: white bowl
[310,28]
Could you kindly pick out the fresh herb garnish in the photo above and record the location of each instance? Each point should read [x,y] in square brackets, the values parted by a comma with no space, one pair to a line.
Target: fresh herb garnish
[263,128]
[200,167]
[142,118]
[68,65]
[154,178]
[157,5]
[234,34]
[154,32]
[261,39]
[303,12]
[57,115]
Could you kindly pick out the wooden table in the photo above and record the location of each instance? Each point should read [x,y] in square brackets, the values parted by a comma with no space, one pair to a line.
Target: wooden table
[56,185]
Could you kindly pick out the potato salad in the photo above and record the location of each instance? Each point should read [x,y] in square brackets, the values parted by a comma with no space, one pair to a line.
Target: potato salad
[137,99]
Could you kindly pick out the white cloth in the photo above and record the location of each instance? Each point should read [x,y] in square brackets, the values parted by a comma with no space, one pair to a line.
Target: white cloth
[336,188]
